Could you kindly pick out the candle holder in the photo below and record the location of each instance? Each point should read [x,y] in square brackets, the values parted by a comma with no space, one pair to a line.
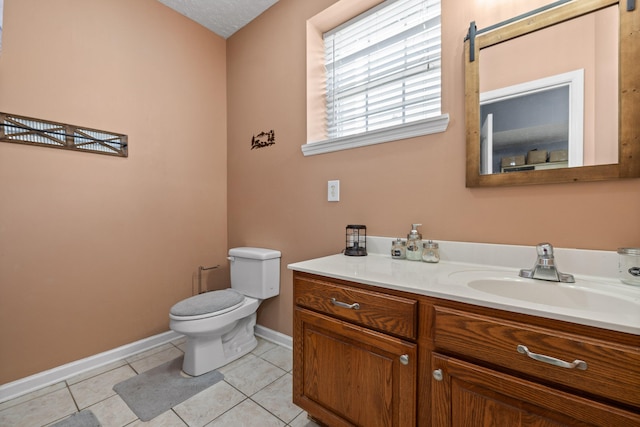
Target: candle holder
[356,240]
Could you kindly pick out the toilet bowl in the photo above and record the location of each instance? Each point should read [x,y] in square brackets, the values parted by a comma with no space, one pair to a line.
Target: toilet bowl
[219,325]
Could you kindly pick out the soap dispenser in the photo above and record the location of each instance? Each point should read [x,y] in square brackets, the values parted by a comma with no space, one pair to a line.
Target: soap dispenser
[414,244]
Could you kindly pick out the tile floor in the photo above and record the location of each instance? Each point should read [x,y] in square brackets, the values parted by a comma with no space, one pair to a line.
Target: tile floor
[256,391]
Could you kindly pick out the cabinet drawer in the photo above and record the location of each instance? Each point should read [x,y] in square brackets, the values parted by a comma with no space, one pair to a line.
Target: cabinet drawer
[612,370]
[379,311]
[470,395]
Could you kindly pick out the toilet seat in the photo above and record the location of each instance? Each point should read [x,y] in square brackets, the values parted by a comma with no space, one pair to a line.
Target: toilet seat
[206,305]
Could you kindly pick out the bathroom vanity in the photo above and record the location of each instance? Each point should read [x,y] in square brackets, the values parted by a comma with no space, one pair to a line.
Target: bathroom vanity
[382,342]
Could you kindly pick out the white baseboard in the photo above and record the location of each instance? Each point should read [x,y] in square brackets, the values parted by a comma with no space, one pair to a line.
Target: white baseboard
[43,379]
[31,383]
[274,336]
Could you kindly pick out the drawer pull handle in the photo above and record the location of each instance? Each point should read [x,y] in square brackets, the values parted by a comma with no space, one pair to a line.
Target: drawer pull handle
[354,306]
[576,364]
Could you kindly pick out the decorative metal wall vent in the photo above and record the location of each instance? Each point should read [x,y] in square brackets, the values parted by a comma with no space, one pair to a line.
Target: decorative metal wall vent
[27,130]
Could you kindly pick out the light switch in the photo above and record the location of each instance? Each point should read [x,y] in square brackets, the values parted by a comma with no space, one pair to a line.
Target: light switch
[333,191]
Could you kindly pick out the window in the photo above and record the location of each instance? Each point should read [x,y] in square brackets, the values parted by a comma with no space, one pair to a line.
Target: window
[382,74]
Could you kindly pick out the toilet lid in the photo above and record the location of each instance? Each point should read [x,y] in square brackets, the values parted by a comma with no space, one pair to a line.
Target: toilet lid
[209,302]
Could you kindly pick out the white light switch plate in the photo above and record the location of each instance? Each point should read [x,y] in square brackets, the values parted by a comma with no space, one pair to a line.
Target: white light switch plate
[333,191]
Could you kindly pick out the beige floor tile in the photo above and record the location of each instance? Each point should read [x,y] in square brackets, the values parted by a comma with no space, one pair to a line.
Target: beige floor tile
[224,404]
[277,398]
[113,412]
[302,421]
[39,411]
[279,356]
[156,359]
[179,341]
[253,376]
[150,352]
[95,372]
[168,419]
[32,395]
[208,404]
[263,345]
[182,347]
[238,362]
[100,387]
[247,414]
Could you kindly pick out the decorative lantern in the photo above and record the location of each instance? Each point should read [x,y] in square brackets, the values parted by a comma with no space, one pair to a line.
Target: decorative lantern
[356,240]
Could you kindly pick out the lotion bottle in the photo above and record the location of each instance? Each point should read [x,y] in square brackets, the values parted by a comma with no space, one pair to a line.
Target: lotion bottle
[414,244]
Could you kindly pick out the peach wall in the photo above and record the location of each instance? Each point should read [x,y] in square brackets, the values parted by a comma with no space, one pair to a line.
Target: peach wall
[277,197]
[94,249]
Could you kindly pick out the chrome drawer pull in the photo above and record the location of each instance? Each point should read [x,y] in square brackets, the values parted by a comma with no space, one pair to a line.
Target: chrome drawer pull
[577,364]
[354,306]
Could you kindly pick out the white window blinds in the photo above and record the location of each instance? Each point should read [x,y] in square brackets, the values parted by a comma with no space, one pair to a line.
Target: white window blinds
[383,68]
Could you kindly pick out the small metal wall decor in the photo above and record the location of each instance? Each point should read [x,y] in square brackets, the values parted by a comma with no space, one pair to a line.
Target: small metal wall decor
[46,133]
[356,240]
[263,139]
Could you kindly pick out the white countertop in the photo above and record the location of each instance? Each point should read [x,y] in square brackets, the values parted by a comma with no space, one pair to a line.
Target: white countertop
[448,280]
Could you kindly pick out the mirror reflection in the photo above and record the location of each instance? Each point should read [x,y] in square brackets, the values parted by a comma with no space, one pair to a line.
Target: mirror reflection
[549,99]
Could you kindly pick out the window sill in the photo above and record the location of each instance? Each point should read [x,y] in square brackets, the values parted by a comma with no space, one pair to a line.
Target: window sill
[395,133]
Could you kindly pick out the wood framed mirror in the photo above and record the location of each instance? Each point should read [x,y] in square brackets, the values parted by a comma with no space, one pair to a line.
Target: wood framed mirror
[624,136]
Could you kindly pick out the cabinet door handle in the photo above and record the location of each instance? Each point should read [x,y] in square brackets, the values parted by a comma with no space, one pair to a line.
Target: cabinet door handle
[437,375]
[354,306]
[576,364]
[404,359]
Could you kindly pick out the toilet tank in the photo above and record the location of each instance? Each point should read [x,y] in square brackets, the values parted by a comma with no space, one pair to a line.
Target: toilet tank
[255,272]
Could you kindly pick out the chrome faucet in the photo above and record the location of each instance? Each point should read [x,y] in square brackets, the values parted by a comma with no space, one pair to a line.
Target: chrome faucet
[545,267]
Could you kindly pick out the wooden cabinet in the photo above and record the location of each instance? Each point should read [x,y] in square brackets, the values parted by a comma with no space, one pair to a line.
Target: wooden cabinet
[348,369]
[610,371]
[465,394]
[491,371]
[371,357]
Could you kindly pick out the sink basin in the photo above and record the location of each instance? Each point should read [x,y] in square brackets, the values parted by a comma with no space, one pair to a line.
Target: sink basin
[554,294]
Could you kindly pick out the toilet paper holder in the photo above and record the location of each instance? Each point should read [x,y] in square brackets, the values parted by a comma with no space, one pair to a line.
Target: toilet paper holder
[200,270]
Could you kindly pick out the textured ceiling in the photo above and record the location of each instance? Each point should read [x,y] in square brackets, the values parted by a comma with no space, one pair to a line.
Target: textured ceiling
[223,17]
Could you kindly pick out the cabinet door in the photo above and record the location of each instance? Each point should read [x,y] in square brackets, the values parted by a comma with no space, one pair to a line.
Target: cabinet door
[468,395]
[346,375]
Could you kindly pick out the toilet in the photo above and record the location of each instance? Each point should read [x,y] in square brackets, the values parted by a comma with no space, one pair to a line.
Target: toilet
[219,324]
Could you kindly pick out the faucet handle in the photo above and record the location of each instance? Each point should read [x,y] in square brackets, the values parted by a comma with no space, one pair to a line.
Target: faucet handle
[545,249]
